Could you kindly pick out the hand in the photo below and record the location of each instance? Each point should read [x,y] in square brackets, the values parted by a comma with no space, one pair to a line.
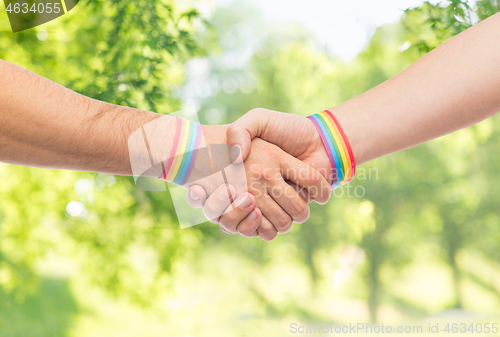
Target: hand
[266,168]
[294,134]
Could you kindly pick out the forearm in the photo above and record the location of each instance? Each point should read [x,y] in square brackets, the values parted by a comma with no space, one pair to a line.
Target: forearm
[43,124]
[452,87]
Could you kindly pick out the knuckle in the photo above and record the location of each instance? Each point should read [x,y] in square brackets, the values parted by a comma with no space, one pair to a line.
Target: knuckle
[211,210]
[255,169]
[267,174]
[260,172]
[268,235]
[286,230]
[303,217]
[229,220]
[254,189]
[272,151]
[249,225]
[327,196]
[265,230]
[257,111]
[245,232]
[231,129]
[283,221]
[299,208]
[248,230]
[313,177]
[324,195]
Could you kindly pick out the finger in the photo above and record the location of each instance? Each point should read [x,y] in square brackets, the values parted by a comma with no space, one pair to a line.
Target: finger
[266,230]
[243,205]
[280,220]
[301,191]
[306,176]
[224,230]
[196,196]
[246,128]
[218,202]
[289,200]
[248,226]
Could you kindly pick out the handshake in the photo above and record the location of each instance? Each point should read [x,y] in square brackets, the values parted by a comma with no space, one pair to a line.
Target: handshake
[288,160]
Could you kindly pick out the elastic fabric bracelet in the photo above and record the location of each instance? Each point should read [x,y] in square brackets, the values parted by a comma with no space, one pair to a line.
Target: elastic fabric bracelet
[183,153]
[337,146]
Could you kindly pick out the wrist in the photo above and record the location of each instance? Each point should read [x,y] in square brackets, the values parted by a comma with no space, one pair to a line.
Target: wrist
[321,163]
[110,128]
[213,134]
[336,146]
[206,162]
[358,125]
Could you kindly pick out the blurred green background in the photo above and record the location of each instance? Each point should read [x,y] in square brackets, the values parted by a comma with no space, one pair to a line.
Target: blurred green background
[414,238]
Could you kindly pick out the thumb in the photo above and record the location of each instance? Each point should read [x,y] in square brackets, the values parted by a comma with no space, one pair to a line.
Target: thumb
[246,128]
[196,196]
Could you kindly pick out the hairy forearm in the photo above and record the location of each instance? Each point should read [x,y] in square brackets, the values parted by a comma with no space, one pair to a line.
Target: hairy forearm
[452,87]
[43,124]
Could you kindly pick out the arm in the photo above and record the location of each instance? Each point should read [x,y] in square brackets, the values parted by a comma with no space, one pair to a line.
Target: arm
[43,124]
[452,87]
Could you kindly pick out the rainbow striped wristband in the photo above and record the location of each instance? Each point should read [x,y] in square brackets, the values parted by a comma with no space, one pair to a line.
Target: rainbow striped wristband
[337,146]
[183,153]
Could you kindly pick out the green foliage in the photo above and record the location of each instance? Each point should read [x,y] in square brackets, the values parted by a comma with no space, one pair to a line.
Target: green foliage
[430,195]
[487,8]
[430,25]
[441,197]
[117,51]
[48,312]
[123,52]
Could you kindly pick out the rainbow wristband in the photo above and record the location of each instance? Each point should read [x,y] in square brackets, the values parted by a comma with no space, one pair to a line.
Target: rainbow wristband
[337,146]
[183,153]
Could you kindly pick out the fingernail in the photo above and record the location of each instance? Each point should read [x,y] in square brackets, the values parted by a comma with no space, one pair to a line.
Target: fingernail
[193,195]
[245,201]
[223,193]
[253,216]
[234,152]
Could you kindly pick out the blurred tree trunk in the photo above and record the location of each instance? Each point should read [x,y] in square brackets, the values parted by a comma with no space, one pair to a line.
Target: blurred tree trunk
[452,239]
[373,299]
[375,250]
[457,276]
